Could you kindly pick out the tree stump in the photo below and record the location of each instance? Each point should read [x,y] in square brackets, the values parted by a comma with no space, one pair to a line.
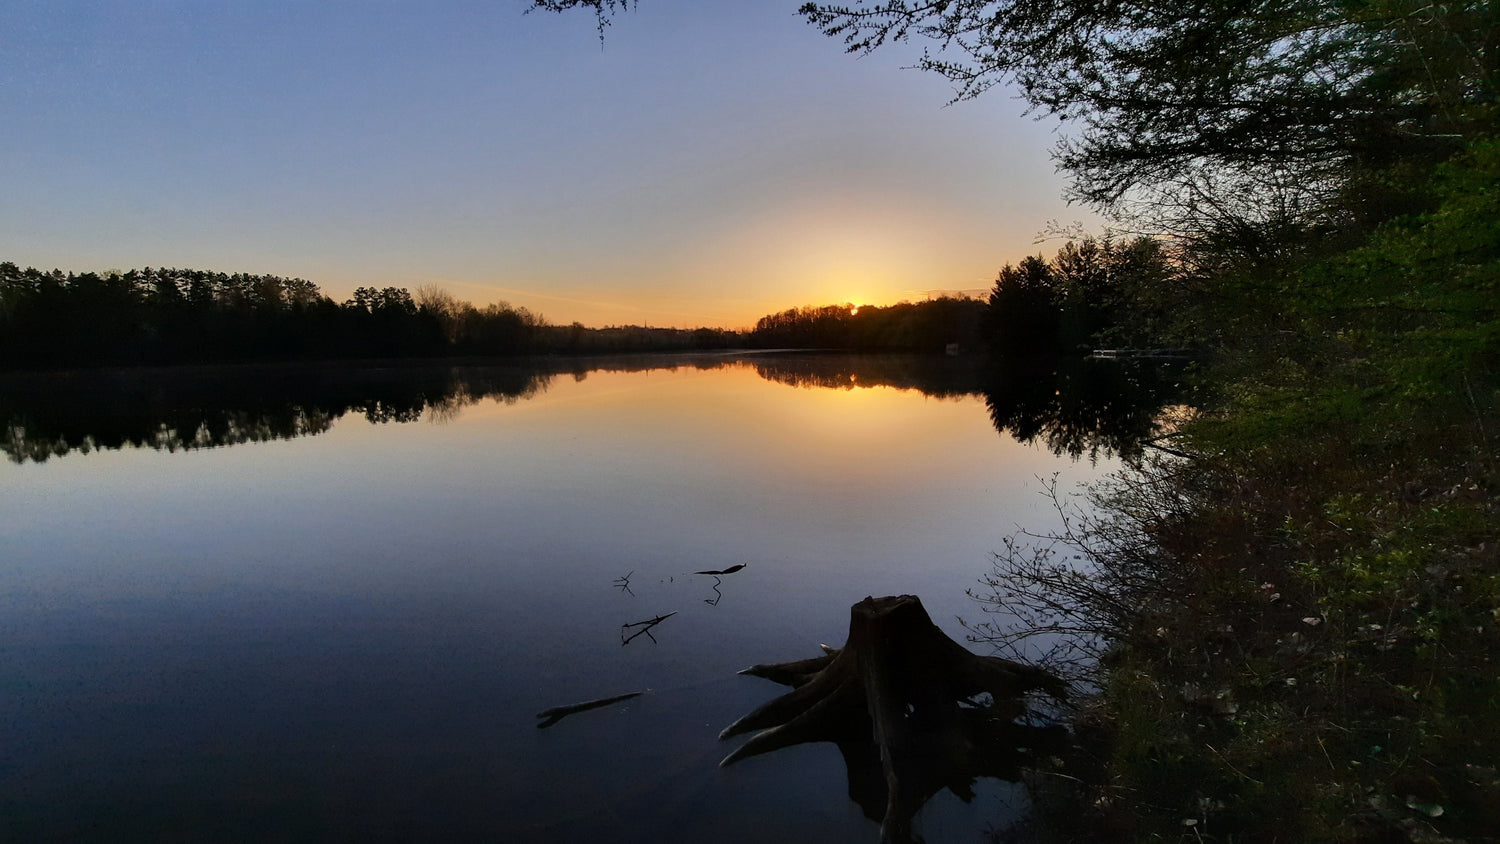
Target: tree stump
[907,707]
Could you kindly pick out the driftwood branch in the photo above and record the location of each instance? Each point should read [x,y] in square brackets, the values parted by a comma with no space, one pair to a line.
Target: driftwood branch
[645,627]
[557,713]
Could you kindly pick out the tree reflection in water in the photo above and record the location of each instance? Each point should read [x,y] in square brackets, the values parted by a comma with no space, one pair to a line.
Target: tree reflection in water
[183,409]
[1074,407]
[1081,406]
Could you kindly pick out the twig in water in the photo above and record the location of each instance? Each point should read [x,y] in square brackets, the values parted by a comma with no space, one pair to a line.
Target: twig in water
[557,713]
[645,628]
[623,583]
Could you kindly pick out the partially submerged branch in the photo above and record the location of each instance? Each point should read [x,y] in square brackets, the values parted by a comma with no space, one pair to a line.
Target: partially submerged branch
[557,713]
[645,627]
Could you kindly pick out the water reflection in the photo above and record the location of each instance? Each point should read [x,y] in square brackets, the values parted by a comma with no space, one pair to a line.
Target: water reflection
[52,415]
[1082,406]
[938,377]
[1074,407]
[350,636]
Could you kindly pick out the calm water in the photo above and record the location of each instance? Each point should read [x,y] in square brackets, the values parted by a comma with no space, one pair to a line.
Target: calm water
[327,604]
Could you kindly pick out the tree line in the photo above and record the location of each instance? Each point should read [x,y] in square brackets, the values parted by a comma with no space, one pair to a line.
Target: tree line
[160,315]
[1088,293]
[929,326]
[1094,292]
[151,316]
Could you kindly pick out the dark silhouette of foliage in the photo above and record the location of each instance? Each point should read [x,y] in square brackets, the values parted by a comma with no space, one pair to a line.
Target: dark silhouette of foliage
[1071,405]
[1096,407]
[52,320]
[1081,406]
[603,10]
[1025,310]
[183,409]
[930,326]
[934,376]
[1093,293]
[1212,110]
[155,316]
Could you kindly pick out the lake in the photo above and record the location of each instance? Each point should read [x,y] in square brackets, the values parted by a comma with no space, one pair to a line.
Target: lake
[327,603]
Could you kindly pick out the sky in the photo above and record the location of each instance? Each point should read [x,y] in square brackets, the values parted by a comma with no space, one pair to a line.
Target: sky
[710,162]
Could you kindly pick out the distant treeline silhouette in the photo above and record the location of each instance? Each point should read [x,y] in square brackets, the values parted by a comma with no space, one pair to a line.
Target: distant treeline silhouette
[171,316]
[1077,407]
[931,326]
[1093,292]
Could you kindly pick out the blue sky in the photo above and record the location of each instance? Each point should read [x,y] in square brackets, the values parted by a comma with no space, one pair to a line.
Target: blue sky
[709,163]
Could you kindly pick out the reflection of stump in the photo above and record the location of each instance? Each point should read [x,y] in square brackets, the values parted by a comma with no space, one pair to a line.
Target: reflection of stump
[904,704]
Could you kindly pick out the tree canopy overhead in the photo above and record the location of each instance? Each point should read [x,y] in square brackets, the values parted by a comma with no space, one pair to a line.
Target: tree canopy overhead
[1217,119]
[1235,109]
[1162,88]
[603,9]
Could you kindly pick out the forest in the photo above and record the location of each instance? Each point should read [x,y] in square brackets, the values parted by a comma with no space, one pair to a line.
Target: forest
[1092,292]
[159,316]
[173,316]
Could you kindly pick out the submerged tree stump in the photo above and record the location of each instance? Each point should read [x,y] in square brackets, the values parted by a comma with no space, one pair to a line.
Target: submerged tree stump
[911,710]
